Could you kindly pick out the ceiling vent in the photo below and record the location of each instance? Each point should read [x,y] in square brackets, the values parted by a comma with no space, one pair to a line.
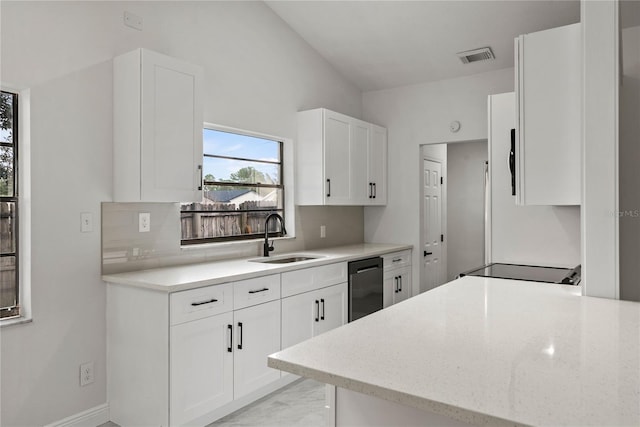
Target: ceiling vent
[476,55]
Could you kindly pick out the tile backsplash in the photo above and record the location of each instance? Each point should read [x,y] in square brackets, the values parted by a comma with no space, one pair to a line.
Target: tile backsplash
[124,248]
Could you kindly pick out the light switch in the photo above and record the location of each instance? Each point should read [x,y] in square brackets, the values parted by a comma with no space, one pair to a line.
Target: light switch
[86,222]
[144,222]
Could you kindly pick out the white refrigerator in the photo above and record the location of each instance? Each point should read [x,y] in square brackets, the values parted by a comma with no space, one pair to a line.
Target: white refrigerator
[533,235]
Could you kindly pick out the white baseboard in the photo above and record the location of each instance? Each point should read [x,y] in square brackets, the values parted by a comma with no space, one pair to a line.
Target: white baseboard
[90,418]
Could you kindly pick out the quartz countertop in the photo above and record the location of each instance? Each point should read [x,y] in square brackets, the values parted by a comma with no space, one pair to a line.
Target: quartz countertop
[184,277]
[489,352]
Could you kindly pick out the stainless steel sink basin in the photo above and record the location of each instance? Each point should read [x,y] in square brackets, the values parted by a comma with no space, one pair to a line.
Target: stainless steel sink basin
[285,260]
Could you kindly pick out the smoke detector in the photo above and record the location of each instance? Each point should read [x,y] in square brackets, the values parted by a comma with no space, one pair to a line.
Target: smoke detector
[476,55]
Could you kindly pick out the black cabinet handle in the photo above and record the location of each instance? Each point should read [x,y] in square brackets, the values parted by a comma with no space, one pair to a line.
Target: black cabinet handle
[230,330]
[317,311]
[371,190]
[195,304]
[427,253]
[322,305]
[200,182]
[240,333]
[512,162]
[396,280]
[328,187]
[375,190]
[400,280]
[259,290]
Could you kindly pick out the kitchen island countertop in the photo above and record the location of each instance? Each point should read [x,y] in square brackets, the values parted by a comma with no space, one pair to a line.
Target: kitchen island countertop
[489,352]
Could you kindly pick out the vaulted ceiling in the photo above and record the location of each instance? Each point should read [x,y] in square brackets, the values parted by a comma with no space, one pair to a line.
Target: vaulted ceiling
[385,44]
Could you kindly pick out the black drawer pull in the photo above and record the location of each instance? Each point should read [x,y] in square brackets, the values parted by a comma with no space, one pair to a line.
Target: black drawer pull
[240,333]
[397,260]
[195,304]
[322,315]
[259,290]
[317,311]
[230,329]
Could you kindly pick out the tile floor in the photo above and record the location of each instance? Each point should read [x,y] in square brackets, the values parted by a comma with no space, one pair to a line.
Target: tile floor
[296,405]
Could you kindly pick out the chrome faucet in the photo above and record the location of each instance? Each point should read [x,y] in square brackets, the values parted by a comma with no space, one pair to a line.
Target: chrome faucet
[267,247]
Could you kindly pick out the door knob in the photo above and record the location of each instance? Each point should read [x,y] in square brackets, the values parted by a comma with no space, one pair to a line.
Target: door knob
[427,253]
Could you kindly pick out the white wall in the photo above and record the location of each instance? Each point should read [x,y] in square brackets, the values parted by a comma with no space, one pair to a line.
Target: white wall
[258,74]
[629,157]
[465,206]
[417,115]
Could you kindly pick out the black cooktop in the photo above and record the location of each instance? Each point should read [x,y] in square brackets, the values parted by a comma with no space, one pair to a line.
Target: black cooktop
[533,273]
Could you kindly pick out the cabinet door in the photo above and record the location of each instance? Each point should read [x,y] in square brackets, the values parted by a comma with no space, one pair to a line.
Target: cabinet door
[298,317]
[171,130]
[404,285]
[337,140]
[332,308]
[377,166]
[389,288]
[201,367]
[397,286]
[256,336]
[548,128]
[358,165]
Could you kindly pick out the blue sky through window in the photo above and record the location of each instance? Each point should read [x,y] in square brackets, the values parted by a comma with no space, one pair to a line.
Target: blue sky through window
[221,143]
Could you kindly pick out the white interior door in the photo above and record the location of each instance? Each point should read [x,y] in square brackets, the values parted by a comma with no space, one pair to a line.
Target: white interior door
[432,265]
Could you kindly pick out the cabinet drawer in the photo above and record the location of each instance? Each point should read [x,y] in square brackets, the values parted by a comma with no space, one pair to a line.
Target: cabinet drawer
[396,260]
[200,303]
[309,279]
[256,291]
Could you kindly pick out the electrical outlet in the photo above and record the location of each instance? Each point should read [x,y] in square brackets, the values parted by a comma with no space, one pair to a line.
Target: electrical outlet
[86,222]
[144,222]
[86,374]
[323,231]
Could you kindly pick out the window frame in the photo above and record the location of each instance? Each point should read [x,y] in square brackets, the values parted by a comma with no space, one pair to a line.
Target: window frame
[14,311]
[285,211]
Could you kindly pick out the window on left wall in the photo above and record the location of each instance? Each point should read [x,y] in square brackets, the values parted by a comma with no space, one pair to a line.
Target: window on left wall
[9,277]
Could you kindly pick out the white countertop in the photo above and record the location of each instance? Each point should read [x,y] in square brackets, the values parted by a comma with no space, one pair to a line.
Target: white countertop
[489,352]
[183,277]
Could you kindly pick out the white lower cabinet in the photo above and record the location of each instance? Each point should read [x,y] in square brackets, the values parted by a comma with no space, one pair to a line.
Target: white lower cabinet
[256,336]
[221,358]
[311,313]
[397,285]
[202,370]
[191,357]
[397,277]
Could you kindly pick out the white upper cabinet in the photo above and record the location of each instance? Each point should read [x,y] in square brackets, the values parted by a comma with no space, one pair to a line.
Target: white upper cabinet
[340,160]
[157,132]
[377,166]
[337,154]
[548,125]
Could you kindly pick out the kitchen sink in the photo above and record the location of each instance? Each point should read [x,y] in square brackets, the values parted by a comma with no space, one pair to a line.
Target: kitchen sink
[284,260]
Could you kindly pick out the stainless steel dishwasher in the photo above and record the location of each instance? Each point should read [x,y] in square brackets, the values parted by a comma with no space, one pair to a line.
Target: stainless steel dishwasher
[365,287]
